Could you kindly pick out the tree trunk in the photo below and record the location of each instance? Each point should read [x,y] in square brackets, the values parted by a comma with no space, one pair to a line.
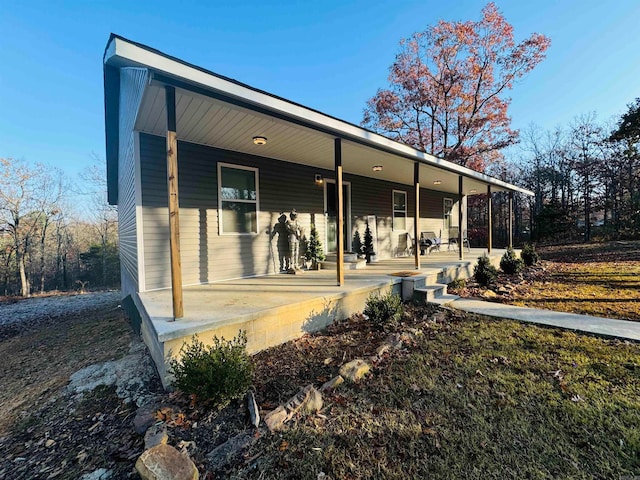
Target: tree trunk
[25,291]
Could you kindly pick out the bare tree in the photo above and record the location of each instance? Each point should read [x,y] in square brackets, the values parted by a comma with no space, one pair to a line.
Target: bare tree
[28,198]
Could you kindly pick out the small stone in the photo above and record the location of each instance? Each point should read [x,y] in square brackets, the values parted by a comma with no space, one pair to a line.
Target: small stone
[382,349]
[49,443]
[163,462]
[99,474]
[155,435]
[145,417]
[333,383]
[489,294]
[355,370]
[254,414]
[394,341]
[225,453]
[276,419]
[307,400]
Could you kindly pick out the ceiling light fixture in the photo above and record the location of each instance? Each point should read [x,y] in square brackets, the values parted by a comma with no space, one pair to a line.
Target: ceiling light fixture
[377,168]
[473,190]
[259,140]
[437,182]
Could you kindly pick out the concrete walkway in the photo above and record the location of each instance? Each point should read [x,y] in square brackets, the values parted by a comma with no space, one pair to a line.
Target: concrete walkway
[607,327]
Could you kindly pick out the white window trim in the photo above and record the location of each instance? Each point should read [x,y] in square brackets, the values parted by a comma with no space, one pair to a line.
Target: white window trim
[393,211]
[444,212]
[257,200]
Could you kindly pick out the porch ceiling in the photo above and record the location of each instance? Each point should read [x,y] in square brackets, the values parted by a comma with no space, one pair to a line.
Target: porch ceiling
[214,122]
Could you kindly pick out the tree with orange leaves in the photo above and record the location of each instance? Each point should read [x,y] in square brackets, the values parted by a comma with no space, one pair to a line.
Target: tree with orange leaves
[447,88]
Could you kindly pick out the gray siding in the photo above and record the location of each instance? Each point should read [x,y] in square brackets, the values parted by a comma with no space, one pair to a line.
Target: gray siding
[373,197]
[132,83]
[207,256]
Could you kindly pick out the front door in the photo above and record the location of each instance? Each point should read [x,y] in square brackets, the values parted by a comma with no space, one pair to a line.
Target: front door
[331,215]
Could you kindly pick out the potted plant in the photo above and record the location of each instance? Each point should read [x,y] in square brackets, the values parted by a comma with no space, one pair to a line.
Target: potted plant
[313,251]
[358,246]
[369,253]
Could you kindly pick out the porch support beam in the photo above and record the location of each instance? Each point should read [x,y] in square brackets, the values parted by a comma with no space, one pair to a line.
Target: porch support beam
[340,213]
[489,221]
[416,222]
[174,220]
[460,218]
[510,219]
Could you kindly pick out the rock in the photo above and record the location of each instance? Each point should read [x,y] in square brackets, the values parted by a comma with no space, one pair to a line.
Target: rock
[308,400]
[163,462]
[254,414]
[49,443]
[276,419]
[382,349]
[333,383]
[99,474]
[131,375]
[145,417]
[394,341]
[155,435]
[224,454]
[355,370]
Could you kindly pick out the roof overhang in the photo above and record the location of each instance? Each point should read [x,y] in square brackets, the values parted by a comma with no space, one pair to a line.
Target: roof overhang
[221,112]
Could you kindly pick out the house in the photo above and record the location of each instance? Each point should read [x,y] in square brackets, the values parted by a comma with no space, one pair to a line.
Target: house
[201,166]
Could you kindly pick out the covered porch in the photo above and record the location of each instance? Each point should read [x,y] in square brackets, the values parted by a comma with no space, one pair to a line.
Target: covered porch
[277,308]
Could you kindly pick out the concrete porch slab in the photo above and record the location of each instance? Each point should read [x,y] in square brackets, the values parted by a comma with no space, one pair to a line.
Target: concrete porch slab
[277,308]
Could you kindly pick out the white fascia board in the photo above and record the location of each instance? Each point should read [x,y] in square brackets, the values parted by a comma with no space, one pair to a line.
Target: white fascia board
[123,50]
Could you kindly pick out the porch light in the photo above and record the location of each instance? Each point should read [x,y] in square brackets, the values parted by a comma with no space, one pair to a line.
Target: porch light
[377,168]
[473,190]
[437,182]
[318,179]
[259,140]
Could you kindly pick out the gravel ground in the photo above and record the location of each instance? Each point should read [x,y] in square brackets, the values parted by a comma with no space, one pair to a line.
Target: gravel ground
[31,310]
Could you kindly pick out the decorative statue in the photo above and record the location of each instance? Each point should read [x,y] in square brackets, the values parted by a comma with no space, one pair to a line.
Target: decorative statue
[295,234]
[281,230]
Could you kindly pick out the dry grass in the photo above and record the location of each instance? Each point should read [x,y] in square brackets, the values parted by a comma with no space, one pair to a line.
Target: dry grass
[472,398]
[593,279]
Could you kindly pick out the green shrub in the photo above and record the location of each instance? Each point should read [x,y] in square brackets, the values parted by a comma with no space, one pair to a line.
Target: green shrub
[485,273]
[510,263]
[457,284]
[217,373]
[384,309]
[529,255]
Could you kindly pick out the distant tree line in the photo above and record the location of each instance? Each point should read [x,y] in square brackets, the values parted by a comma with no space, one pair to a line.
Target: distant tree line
[586,179]
[46,242]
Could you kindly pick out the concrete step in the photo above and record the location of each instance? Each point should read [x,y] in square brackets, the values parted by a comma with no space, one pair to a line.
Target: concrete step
[430,292]
[444,299]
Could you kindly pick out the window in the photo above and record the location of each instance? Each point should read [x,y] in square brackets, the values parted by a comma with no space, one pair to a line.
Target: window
[447,209]
[238,199]
[399,210]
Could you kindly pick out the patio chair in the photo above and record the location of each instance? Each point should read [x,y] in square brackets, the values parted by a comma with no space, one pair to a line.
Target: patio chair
[453,238]
[405,245]
[429,241]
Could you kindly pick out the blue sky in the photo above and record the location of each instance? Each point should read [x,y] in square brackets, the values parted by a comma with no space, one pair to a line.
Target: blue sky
[331,56]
